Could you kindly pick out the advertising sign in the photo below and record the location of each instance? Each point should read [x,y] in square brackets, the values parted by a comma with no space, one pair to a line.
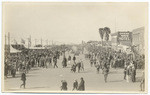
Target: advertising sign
[124,36]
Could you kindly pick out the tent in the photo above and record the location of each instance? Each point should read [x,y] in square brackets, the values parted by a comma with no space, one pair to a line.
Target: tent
[12,50]
[37,48]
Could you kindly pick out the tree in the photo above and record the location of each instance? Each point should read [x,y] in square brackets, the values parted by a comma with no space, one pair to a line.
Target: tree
[101,32]
[107,31]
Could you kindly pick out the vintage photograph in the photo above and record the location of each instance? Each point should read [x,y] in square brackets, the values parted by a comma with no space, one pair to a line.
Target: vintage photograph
[75,47]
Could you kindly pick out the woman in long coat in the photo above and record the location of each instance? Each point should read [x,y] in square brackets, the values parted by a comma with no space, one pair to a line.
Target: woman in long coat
[81,85]
[64,63]
[64,85]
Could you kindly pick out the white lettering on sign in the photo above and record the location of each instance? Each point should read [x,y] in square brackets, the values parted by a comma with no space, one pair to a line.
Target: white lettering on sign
[124,36]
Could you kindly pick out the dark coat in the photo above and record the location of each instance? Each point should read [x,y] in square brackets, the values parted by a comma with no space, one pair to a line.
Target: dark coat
[64,62]
[74,58]
[23,77]
[69,58]
[81,86]
[79,64]
[64,86]
[75,84]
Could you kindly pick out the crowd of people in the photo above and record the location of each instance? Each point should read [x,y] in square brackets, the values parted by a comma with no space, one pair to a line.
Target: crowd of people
[106,58]
[24,62]
[103,59]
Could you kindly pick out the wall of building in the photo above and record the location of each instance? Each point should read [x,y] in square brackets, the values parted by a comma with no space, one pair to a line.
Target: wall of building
[138,39]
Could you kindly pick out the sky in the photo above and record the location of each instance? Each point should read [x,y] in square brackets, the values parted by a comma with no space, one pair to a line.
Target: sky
[63,23]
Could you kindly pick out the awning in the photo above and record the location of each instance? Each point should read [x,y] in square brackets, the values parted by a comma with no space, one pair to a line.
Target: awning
[12,50]
[37,48]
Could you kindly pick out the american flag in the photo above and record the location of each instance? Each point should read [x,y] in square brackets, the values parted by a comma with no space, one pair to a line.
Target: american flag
[29,41]
[22,41]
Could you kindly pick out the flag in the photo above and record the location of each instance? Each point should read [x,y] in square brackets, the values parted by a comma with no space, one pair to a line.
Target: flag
[101,32]
[29,41]
[22,41]
[46,42]
[14,41]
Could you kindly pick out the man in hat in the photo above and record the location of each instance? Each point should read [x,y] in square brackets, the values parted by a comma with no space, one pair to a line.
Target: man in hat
[82,65]
[69,59]
[79,66]
[23,78]
[55,61]
[64,85]
[74,58]
[75,85]
[81,85]
[105,70]
[64,62]
[13,71]
[97,67]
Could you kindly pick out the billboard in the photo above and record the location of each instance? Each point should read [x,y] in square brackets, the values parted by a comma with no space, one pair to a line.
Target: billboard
[124,38]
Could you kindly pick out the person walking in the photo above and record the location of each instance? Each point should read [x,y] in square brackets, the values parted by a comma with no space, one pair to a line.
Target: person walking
[82,65]
[20,67]
[97,67]
[94,59]
[47,62]
[79,66]
[133,74]
[142,83]
[23,78]
[74,58]
[50,61]
[55,62]
[105,72]
[64,85]
[125,72]
[81,85]
[69,59]
[6,70]
[13,71]
[64,62]
[73,68]
[128,73]
[91,61]
[75,85]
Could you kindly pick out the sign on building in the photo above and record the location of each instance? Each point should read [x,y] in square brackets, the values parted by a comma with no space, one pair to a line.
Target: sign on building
[124,38]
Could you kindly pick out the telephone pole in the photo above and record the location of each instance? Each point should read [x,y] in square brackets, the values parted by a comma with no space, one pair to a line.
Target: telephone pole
[35,42]
[8,42]
[41,42]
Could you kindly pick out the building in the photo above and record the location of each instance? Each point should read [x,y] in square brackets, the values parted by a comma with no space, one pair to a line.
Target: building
[122,38]
[138,39]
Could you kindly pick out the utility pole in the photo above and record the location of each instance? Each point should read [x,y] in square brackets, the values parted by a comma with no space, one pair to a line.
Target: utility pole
[41,42]
[115,24]
[47,42]
[5,49]
[5,40]
[29,41]
[52,42]
[117,43]
[35,42]
[8,42]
